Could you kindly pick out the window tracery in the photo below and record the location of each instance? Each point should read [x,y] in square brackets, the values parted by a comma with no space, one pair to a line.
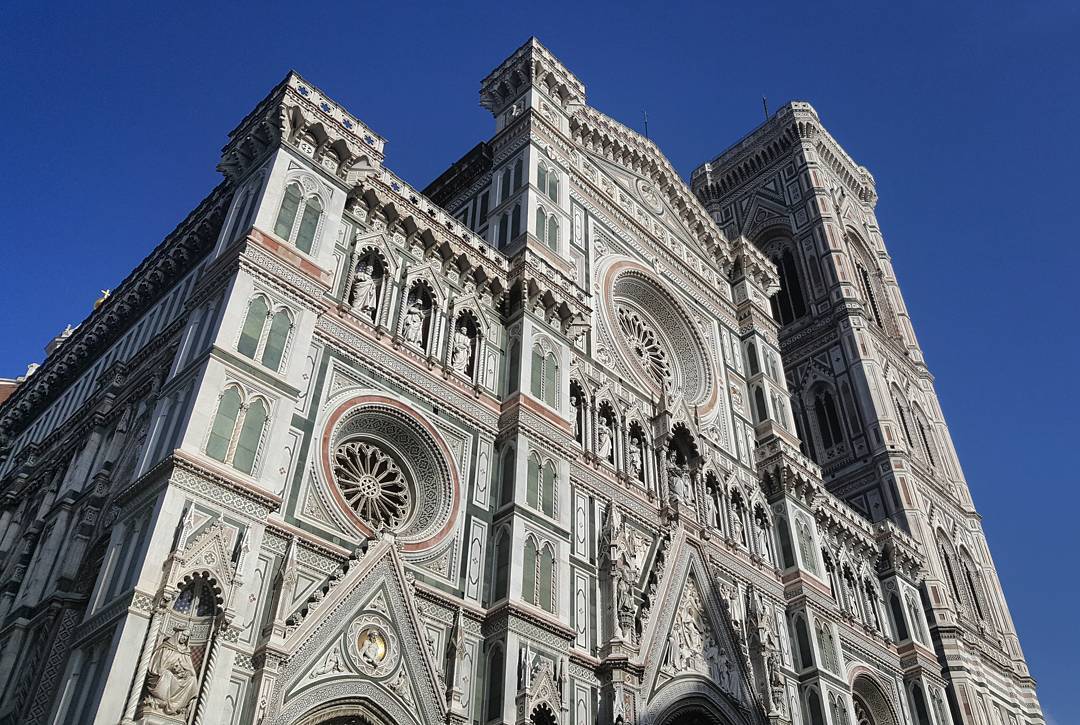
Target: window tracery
[299,216]
[372,484]
[646,345]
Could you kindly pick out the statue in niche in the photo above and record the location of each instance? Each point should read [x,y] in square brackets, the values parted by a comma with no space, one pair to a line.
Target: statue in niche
[635,458]
[710,507]
[414,323]
[171,680]
[575,403]
[763,538]
[461,356]
[737,526]
[604,445]
[364,295]
[626,570]
[678,477]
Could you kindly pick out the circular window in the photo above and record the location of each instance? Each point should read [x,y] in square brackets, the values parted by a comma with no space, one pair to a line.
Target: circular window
[389,470]
[654,333]
[372,484]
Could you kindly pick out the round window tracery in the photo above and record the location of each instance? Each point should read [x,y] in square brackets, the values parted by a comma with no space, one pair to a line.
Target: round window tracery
[389,470]
[372,484]
[646,345]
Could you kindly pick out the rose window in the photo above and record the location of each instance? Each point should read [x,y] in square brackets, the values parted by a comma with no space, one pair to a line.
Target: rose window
[372,484]
[646,346]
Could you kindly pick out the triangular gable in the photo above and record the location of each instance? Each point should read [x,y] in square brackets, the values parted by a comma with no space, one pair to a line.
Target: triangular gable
[690,644]
[362,639]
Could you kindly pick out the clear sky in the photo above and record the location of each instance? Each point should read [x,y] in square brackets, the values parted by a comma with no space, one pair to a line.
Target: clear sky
[113,117]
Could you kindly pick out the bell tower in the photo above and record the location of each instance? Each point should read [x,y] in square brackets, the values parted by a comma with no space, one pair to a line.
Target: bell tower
[863,399]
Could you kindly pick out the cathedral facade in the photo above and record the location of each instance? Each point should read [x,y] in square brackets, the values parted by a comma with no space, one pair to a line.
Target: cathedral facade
[557,439]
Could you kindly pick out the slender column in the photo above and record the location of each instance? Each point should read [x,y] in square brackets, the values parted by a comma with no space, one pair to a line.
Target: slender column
[152,630]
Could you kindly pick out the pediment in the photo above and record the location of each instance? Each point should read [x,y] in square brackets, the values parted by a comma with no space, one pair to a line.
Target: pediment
[691,640]
[362,639]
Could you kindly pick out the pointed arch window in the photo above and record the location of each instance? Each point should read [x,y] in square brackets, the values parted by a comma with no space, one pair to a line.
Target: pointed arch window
[237,431]
[506,480]
[548,182]
[495,685]
[502,565]
[515,222]
[547,498]
[546,228]
[761,409]
[788,304]
[544,383]
[262,342]
[868,291]
[518,166]
[532,489]
[528,571]
[504,186]
[299,217]
[545,599]
[925,442]
[828,419]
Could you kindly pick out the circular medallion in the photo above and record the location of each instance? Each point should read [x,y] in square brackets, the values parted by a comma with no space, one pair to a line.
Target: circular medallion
[372,645]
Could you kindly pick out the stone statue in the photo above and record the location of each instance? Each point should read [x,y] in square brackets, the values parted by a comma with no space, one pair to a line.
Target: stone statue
[364,291]
[603,447]
[710,508]
[414,323]
[369,651]
[461,356]
[737,532]
[763,538]
[677,478]
[171,680]
[635,458]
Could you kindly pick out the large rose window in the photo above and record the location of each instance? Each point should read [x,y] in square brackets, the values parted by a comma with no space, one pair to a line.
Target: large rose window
[645,343]
[372,484]
[389,471]
[654,334]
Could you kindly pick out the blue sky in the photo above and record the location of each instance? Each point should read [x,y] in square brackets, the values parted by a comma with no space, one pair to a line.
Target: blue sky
[114,117]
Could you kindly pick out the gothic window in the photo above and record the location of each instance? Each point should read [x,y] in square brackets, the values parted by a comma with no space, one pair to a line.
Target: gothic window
[502,565]
[299,216]
[903,420]
[544,384]
[916,620]
[495,685]
[546,598]
[922,714]
[513,366]
[548,492]
[532,489]
[481,215]
[787,552]
[828,419]
[946,563]
[515,222]
[825,644]
[752,359]
[237,430]
[504,186]
[761,410]
[849,407]
[817,715]
[925,441]
[645,343]
[898,617]
[788,304]
[261,341]
[529,565]
[868,291]
[506,480]
[547,228]
[503,230]
[518,165]
[548,181]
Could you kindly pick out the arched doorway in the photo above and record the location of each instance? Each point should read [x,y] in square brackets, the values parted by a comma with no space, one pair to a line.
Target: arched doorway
[872,706]
[694,711]
[347,714]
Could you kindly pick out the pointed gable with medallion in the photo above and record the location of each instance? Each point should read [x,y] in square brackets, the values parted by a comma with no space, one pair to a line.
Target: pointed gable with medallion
[358,637]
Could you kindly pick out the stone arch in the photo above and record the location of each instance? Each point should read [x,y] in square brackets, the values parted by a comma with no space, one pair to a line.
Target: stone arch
[693,702]
[872,704]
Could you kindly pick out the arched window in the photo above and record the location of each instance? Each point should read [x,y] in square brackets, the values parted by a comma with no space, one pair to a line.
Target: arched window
[553,233]
[515,222]
[946,563]
[788,304]
[787,552]
[828,419]
[549,483]
[528,571]
[298,218]
[503,235]
[268,348]
[502,565]
[237,431]
[546,598]
[548,182]
[802,635]
[532,490]
[247,445]
[817,715]
[828,655]
[309,224]
[251,333]
[752,359]
[916,620]
[544,381]
[221,432]
[925,441]
[897,612]
[541,223]
[761,410]
[517,173]
[513,366]
[868,291]
[506,481]
[274,349]
[551,380]
[922,714]
[495,684]
[903,420]
[541,177]
[553,187]
[504,187]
